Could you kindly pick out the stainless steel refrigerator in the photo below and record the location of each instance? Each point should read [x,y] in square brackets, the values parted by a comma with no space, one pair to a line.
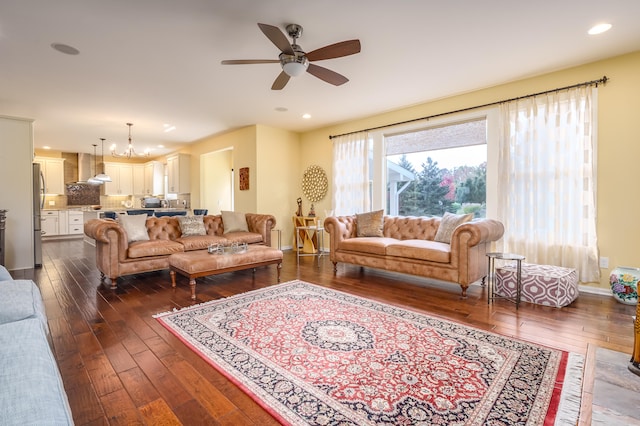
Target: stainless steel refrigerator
[38,204]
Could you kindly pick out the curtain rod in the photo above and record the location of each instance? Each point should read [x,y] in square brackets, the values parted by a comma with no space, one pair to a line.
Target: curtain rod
[603,80]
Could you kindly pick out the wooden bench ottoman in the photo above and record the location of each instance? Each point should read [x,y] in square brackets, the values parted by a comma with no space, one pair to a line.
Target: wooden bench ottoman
[541,284]
[199,263]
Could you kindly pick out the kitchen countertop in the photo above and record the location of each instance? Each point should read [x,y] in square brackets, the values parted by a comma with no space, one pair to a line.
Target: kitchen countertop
[95,213]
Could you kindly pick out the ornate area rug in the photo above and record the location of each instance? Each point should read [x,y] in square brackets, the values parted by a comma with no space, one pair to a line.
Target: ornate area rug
[316,356]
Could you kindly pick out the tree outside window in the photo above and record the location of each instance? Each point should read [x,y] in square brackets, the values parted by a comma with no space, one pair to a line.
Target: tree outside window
[431,182]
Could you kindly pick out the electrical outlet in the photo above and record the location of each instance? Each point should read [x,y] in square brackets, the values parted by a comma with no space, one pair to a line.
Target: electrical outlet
[604,262]
[52,203]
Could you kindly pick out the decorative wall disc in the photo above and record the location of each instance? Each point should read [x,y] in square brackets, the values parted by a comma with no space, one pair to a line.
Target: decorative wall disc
[314,183]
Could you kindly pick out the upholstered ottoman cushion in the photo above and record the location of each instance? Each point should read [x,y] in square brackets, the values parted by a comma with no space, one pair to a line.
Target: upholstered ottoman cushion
[541,284]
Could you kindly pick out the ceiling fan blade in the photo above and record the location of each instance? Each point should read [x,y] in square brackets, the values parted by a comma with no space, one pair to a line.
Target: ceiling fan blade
[277,37]
[280,81]
[337,50]
[249,61]
[327,75]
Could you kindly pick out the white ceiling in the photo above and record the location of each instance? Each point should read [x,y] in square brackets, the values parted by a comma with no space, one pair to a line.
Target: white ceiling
[152,62]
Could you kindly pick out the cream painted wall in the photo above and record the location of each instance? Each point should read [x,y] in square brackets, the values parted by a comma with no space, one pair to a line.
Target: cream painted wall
[215,181]
[278,177]
[243,143]
[618,145]
[16,187]
[272,156]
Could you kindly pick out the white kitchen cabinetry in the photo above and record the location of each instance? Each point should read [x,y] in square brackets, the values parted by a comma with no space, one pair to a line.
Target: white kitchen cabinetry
[49,223]
[138,179]
[178,174]
[153,178]
[53,170]
[75,223]
[121,179]
[63,222]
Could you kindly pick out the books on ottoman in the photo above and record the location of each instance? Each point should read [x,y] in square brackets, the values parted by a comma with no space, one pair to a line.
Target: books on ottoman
[541,284]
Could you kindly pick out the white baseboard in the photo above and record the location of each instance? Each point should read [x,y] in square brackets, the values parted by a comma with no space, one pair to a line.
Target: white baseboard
[595,290]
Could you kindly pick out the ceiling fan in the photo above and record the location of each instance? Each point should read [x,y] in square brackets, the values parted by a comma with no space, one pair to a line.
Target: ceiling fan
[295,61]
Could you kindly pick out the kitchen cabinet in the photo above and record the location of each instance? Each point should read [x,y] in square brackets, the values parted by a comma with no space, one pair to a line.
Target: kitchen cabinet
[153,178]
[49,223]
[121,179]
[75,223]
[178,174]
[63,222]
[138,179]
[53,171]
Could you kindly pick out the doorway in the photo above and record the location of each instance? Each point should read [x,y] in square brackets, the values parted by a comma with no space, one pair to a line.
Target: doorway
[216,180]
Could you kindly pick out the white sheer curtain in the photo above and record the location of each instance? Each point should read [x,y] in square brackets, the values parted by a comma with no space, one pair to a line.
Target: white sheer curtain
[547,180]
[351,174]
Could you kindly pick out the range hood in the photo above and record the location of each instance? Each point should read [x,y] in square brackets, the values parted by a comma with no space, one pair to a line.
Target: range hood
[78,167]
[85,167]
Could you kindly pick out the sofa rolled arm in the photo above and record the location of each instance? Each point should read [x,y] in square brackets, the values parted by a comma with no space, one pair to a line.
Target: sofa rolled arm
[261,224]
[108,231]
[339,228]
[98,229]
[481,231]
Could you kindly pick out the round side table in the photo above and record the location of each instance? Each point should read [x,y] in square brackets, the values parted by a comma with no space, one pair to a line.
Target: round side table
[491,279]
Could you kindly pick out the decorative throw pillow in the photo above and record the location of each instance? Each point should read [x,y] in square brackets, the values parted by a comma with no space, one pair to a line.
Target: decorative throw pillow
[448,223]
[234,222]
[135,226]
[191,225]
[370,224]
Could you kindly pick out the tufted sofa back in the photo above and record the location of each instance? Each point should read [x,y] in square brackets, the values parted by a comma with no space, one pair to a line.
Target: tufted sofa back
[168,227]
[410,227]
[398,227]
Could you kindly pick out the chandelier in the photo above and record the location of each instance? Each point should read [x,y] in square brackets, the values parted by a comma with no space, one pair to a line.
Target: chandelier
[130,151]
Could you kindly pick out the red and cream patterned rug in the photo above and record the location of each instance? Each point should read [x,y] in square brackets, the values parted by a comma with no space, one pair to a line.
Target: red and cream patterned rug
[316,356]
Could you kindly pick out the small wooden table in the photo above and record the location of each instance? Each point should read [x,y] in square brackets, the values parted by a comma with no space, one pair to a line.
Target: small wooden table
[199,263]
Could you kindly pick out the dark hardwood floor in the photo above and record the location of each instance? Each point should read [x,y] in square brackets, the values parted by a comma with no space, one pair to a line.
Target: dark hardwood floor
[120,366]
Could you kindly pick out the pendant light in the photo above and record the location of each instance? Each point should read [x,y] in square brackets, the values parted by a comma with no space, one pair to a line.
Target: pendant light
[102,177]
[94,180]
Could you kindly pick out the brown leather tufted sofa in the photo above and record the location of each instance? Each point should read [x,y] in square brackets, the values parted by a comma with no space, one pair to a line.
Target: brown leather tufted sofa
[115,257]
[408,246]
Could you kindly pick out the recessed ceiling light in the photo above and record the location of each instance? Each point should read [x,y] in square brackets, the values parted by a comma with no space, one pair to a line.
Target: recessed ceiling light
[306,116]
[65,48]
[281,109]
[46,147]
[169,128]
[599,29]
[160,146]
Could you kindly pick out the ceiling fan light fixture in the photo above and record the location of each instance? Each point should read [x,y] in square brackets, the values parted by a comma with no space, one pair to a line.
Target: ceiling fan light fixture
[294,65]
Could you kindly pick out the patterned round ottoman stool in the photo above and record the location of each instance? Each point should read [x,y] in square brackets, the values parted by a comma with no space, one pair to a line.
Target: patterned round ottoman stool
[541,284]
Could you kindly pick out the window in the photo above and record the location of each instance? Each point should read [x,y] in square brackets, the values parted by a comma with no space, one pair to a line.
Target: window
[437,169]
